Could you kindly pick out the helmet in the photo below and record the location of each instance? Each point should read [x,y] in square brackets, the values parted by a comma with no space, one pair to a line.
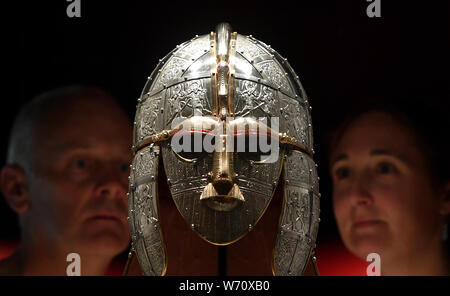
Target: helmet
[230,120]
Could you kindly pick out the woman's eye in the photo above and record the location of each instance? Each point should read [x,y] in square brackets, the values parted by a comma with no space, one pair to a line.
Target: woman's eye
[386,168]
[80,164]
[342,173]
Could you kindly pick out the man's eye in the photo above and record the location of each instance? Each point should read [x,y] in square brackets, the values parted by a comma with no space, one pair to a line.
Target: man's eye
[124,167]
[342,173]
[386,168]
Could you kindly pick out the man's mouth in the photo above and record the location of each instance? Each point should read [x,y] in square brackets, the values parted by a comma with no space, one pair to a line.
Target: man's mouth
[106,216]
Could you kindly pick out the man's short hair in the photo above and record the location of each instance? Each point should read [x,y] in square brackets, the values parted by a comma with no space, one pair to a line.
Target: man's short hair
[23,132]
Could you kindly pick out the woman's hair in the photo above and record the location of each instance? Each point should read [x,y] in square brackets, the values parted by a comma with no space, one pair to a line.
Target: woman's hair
[428,122]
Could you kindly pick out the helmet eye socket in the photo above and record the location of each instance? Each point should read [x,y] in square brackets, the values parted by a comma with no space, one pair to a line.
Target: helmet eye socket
[250,149]
[247,146]
[188,152]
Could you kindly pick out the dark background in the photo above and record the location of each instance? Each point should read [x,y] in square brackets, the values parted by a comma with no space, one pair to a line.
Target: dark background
[341,55]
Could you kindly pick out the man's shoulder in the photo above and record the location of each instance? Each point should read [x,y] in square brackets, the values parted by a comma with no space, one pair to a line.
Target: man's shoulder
[9,267]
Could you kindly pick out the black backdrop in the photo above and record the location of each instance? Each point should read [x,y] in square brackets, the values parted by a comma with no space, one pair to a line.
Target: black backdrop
[341,55]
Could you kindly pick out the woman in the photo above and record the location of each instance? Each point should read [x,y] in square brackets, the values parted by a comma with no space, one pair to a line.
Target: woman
[391,188]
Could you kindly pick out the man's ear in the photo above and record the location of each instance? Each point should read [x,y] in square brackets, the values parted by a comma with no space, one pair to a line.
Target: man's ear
[12,184]
[445,208]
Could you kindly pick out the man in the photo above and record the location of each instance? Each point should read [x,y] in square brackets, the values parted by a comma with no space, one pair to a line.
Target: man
[66,177]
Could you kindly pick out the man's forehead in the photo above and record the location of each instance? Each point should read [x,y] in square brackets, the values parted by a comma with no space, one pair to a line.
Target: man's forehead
[79,106]
[96,147]
[84,116]
[94,135]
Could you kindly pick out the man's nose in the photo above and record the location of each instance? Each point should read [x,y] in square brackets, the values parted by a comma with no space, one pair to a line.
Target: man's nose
[111,185]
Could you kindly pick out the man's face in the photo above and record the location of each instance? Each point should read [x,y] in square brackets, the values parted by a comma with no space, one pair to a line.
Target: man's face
[383,198]
[78,193]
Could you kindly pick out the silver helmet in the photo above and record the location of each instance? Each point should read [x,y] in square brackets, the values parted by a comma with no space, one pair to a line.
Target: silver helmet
[230,118]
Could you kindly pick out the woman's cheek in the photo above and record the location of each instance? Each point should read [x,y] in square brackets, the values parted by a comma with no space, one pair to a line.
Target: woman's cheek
[393,192]
[341,208]
[393,206]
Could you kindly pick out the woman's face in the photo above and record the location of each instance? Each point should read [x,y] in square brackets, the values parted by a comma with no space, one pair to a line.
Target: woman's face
[383,198]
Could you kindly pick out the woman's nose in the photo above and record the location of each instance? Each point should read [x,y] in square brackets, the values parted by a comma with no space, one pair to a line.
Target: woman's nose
[359,191]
